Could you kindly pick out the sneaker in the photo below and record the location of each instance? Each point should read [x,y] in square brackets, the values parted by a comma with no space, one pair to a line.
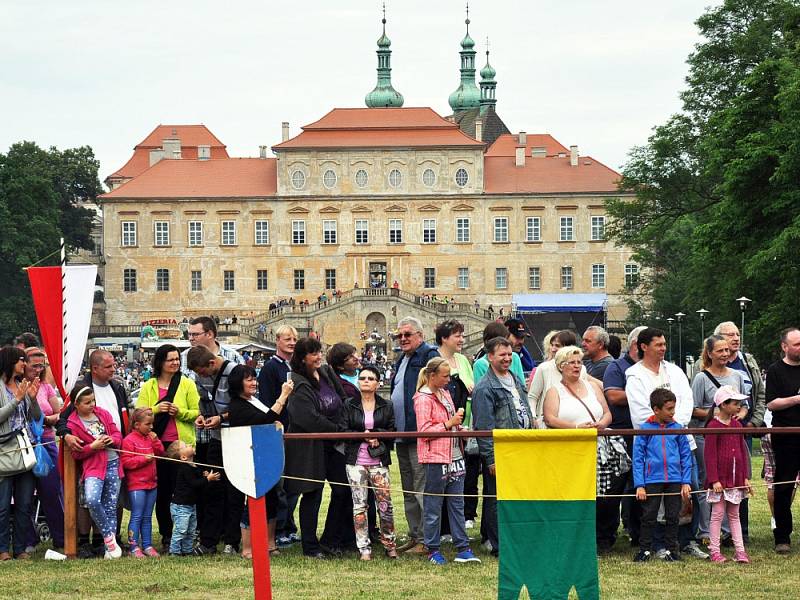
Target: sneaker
[418,548]
[716,557]
[229,550]
[283,541]
[136,552]
[670,557]
[204,551]
[447,539]
[642,556]
[660,554]
[693,549]
[466,556]
[741,557]
[112,548]
[437,558]
[86,551]
[295,537]
[151,552]
[366,554]
[782,548]
[469,524]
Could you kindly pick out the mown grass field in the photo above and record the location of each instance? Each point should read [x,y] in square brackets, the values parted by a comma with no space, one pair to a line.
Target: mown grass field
[294,577]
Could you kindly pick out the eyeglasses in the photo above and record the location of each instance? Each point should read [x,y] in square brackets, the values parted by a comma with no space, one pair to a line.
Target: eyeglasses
[22,359]
[365,378]
[37,367]
[193,334]
[407,334]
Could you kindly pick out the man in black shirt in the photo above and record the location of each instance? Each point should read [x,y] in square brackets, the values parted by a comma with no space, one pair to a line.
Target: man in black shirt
[783,399]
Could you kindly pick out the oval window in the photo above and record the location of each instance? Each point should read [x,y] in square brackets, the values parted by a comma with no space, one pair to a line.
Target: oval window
[462,177]
[361,178]
[329,178]
[429,177]
[395,178]
[298,180]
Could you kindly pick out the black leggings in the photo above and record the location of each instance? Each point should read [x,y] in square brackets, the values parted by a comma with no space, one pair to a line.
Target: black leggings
[167,471]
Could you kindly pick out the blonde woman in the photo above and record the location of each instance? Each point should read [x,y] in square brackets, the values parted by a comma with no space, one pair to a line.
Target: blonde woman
[574,402]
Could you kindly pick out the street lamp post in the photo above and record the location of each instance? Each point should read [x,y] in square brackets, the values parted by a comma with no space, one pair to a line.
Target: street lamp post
[670,320]
[742,307]
[679,316]
[702,312]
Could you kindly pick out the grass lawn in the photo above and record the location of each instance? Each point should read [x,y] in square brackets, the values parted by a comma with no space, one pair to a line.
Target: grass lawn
[294,577]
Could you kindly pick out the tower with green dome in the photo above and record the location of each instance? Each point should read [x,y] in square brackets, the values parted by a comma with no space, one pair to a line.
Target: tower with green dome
[467,95]
[488,85]
[384,95]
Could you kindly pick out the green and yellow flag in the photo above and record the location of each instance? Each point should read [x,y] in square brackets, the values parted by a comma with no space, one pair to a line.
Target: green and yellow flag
[546,488]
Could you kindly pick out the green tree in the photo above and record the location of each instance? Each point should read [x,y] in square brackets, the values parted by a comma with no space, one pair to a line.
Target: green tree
[716,212]
[40,192]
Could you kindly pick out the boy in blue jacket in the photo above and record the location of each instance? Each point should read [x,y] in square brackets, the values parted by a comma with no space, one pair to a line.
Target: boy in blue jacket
[662,464]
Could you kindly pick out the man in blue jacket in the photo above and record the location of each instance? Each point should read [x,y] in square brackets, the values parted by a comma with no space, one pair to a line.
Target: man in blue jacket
[416,354]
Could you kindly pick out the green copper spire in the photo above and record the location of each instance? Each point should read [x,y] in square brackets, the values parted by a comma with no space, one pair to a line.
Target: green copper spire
[467,95]
[384,94]
[488,84]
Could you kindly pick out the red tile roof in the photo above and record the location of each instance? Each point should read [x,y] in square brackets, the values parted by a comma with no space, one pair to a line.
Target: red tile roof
[216,178]
[191,136]
[379,128]
[505,145]
[547,175]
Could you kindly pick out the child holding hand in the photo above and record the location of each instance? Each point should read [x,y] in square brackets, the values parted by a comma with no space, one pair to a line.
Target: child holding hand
[101,471]
[189,482]
[141,446]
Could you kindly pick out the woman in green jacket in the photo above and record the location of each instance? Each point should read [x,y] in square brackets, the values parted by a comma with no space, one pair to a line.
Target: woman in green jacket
[174,401]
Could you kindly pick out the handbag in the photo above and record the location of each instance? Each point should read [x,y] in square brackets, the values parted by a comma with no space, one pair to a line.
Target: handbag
[16,453]
[43,461]
[161,420]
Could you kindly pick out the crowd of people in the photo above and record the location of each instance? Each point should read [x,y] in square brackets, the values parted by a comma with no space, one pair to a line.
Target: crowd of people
[702,482]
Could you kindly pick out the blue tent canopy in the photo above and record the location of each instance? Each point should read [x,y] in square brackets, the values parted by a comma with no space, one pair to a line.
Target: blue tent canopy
[542,303]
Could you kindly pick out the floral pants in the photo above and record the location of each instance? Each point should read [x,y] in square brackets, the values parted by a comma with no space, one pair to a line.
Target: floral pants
[361,478]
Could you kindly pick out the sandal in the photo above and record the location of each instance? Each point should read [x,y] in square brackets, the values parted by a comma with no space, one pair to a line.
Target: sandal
[274,552]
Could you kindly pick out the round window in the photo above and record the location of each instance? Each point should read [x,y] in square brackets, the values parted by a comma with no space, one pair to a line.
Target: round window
[395,178]
[298,180]
[329,178]
[462,177]
[361,178]
[429,177]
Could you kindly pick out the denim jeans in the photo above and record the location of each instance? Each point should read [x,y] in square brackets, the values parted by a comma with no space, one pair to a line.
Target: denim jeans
[21,488]
[184,525]
[101,497]
[140,527]
[437,483]
[412,477]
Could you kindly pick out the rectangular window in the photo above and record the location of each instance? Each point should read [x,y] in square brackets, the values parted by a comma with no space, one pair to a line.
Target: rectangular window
[598,276]
[298,232]
[329,235]
[631,275]
[330,279]
[161,233]
[229,233]
[262,280]
[566,278]
[501,278]
[162,280]
[534,278]
[395,231]
[195,233]
[462,230]
[196,281]
[463,278]
[430,277]
[362,231]
[262,233]
[501,229]
[598,228]
[533,229]
[129,280]
[299,279]
[228,281]
[429,231]
[567,230]
[129,233]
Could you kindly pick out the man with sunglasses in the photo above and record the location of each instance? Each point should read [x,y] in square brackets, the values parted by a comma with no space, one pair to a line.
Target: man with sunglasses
[415,355]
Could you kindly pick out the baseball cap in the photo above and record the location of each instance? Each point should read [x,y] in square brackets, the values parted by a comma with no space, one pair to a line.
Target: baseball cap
[726,392]
[516,327]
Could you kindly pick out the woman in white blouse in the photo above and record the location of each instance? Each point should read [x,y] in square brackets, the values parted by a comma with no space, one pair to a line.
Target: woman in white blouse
[574,402]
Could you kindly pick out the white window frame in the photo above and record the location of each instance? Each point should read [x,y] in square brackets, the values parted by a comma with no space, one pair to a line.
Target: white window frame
[195,233]
[631,272]
[361,178]
[196,283]
[461,177]
[533,229]
[261,232]
[463,278]
[501,278]
[262,275]
[428,231]
[228,236]
[598,276]
[500,230]
[298,179]
[567,277]
[329,185]
[463,230]
[129,276]
[432,180]
[298,232]
[161,233]
[598,228]
[330,232]
[129,237]
[361,231]
[299,275]
[534,278]
[330,277]
[396,231]
[395,178]
[228,277]
[566,231]
[432,272]
[162,273]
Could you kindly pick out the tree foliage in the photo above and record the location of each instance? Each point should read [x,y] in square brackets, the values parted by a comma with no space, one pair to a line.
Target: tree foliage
[716,212]
[41,192]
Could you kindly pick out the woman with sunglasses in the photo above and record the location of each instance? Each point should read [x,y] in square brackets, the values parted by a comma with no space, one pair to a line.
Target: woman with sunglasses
[18,407]
[368,461]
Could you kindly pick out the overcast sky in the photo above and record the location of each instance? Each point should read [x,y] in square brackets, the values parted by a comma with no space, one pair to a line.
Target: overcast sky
[596,74]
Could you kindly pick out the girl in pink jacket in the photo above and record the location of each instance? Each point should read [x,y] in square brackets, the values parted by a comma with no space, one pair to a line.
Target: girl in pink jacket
[444,460]
[100,468]
[140,447]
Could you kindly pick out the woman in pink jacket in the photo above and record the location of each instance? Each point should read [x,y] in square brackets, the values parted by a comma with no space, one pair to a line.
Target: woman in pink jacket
[101,471]
[140,447]
[444,460]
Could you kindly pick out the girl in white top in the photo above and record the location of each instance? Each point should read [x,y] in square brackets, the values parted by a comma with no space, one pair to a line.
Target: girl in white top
[574,402]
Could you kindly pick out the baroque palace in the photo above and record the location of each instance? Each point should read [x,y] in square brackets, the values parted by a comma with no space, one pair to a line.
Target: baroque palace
[383,196]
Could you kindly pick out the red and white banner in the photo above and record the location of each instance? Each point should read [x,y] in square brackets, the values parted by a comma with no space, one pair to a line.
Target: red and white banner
[64,312]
